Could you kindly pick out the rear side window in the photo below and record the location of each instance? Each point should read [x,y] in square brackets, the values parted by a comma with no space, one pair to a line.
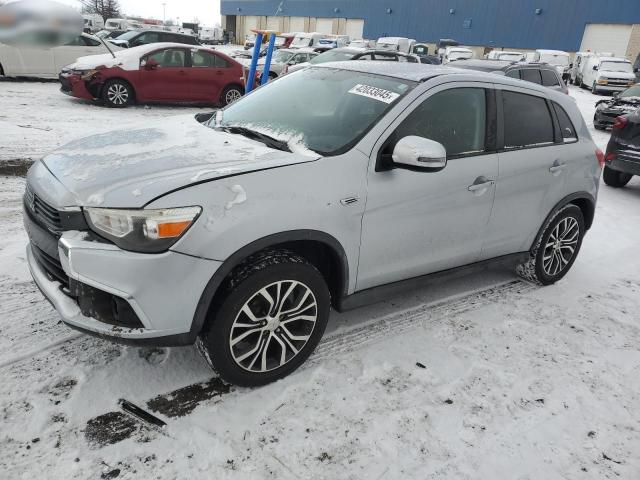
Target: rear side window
[531,75]
[566,126]
[549,78]
[513,74]
[456,118]
[527,121]
[220,62]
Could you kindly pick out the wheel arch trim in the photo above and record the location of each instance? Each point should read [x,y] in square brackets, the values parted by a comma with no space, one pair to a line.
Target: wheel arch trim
[235,259]
[579,197]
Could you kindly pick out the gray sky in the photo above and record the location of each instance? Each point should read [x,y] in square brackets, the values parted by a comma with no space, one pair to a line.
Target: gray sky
[207,11]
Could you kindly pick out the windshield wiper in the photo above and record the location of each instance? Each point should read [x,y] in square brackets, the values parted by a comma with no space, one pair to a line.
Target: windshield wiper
[261,137]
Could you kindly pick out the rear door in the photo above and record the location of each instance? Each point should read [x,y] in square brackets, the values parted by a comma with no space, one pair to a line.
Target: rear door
[209,75]
[79,47]
[533,166]
[170,81]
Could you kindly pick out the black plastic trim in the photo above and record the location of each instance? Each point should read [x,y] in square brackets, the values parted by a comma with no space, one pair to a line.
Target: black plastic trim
[565,201]
[239,256]
[383,292]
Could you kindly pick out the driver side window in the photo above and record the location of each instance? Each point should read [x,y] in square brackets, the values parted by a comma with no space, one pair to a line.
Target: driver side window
[456,118]
[169,58]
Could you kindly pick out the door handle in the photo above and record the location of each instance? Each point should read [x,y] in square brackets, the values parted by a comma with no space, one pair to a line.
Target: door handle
[557,167]
[481,183]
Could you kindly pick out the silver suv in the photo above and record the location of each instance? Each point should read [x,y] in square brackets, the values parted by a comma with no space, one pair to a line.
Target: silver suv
[334,186]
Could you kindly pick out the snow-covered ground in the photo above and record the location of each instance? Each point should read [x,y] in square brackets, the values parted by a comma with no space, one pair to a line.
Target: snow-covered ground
[487,377]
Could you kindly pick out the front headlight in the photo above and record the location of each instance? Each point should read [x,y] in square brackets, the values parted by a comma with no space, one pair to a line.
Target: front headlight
[148,231]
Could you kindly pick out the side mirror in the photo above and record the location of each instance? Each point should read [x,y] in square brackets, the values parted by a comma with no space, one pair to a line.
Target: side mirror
[420,154]
[616,94]
[151,64]
[595,67]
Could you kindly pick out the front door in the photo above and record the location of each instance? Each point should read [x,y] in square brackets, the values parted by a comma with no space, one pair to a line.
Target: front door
[422,222]
[169,80]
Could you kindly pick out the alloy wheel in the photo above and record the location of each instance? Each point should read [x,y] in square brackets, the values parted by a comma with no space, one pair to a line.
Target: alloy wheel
[561,246]
[273,326]
[232,95]
[117,94]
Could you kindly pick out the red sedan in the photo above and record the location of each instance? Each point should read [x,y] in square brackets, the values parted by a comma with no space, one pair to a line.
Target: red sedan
[159,72]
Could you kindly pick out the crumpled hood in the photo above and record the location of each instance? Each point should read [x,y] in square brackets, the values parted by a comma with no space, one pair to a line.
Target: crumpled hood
[129,167]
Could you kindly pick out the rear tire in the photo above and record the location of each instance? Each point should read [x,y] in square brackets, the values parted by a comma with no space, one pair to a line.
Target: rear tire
[270,317]
[556,248]
[231,94]
[117,94]
[615,179]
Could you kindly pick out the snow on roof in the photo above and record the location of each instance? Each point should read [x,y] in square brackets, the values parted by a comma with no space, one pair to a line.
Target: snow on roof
[553,52]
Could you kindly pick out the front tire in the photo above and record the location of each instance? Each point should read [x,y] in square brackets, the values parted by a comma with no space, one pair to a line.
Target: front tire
[615,179]
[270,317]
[231,94]
[117,94]
[556,248]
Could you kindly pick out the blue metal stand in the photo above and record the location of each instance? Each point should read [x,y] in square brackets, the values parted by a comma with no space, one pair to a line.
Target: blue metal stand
[254,63]
[267,61]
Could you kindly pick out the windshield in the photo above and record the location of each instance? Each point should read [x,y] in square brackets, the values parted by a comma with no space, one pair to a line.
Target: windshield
[128,35]
[510,56]
[616,67]
[332,56]
[281,57]
[320,109]
[631,92]
[555,59]
[301,42]
[458,55]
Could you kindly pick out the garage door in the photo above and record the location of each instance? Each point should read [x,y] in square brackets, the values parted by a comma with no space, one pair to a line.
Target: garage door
[296,24]
[273,23]
[324,25]
[601,37]
[250,23]
[355,27]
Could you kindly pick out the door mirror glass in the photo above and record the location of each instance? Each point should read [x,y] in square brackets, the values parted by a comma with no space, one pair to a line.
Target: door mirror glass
[420,153]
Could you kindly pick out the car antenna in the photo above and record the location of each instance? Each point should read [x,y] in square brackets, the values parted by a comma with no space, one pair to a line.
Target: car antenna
[107,46]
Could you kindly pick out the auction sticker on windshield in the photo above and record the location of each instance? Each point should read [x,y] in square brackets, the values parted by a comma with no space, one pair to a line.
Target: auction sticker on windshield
[376,93]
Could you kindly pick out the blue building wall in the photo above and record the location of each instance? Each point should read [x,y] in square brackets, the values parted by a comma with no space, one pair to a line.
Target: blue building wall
[497,23]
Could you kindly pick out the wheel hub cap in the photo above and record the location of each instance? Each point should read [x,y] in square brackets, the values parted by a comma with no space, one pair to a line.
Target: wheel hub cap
[273,326]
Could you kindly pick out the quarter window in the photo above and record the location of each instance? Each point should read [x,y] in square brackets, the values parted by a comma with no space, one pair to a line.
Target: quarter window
[456,118]
[566,126]
[549,78]
[527,121]
[531,75]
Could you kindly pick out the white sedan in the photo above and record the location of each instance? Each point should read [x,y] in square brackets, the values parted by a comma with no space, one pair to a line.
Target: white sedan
[46,62]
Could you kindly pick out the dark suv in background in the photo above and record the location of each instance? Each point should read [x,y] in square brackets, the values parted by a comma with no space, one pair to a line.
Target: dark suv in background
[135,38]
[622,159]
[540,73]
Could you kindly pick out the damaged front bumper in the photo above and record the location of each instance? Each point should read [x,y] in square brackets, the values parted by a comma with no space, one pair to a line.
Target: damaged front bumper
[153,297]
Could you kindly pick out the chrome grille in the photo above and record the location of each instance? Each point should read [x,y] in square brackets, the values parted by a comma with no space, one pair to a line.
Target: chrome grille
[45,213]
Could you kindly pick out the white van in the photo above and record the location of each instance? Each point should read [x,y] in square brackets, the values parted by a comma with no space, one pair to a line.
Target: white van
[211,35]
[505,55]
[452,54]
[93,23]
[303,40]
[395,44]
[559,59]
[122,24]
[607,74]
[576,71]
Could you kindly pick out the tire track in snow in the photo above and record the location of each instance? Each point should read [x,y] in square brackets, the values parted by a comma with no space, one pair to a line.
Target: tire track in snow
[398,323]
